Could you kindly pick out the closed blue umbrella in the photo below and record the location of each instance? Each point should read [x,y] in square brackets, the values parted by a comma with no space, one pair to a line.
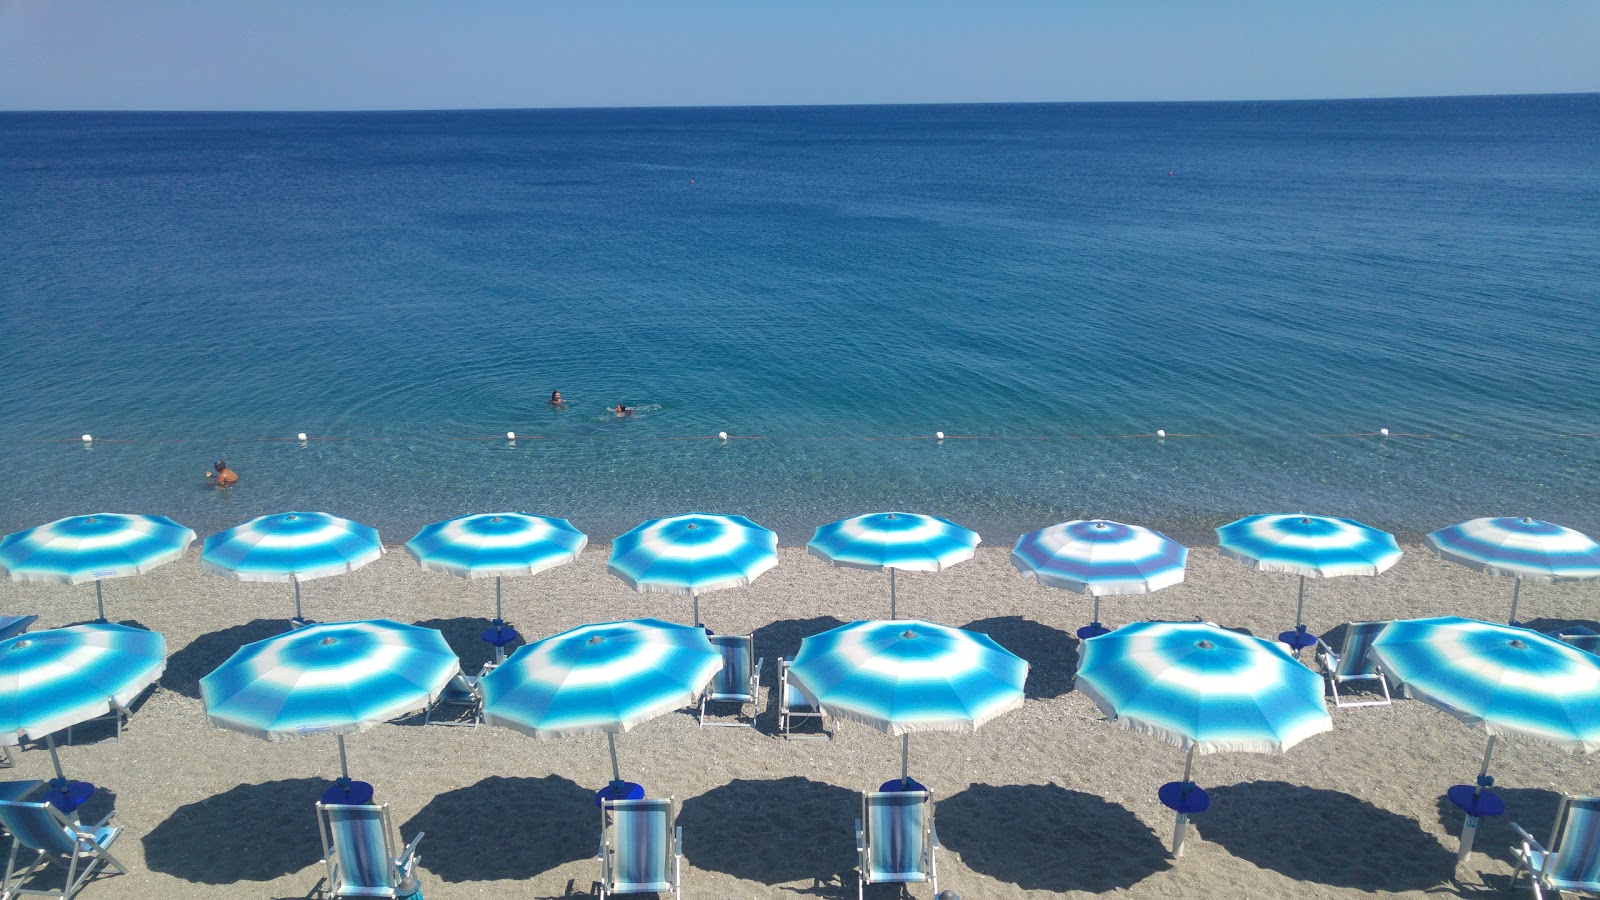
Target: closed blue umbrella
[1315,546]
[496,545]
[1522,548]
[906,676]
[1203,688]
[1098,558]
[50,680]
[293,547]
[331,678]
[600,678]
[894,540]
[1510,680]
[692,554]
[90,548]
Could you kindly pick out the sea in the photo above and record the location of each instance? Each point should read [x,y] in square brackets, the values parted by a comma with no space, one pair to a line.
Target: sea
[1049,286]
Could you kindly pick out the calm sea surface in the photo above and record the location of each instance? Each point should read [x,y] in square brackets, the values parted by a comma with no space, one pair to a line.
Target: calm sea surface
[831,286]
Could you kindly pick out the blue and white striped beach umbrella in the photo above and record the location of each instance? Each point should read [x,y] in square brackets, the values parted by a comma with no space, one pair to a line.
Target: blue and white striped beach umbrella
[600,678]
[1100,558]
[909,675]
[331,678]
[90,548]
[1314,546]
[495,545]
[50,680]
[894,540]
[293,547]
[692,554]
[1204,688]
[1522,548]
[1510,680]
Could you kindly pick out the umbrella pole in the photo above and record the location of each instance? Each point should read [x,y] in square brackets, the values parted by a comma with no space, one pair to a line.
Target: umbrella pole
[497,619]
[1516,594]
[905,758]
[616,773]
[1180,830]
[344,765]
[1096,620]
[1300,605]
[298,616]
[891,594]
[50,741]
[1469,829]
[695,599]
[101,602]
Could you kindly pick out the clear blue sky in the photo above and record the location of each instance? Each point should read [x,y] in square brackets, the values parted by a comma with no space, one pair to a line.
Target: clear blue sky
[360,54]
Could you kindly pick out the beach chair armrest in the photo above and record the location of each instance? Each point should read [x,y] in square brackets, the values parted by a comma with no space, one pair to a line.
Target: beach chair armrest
[677,841]
[1528,841]
[933,835]
[410,851]
[1326,655]
[861,838]
[102,823]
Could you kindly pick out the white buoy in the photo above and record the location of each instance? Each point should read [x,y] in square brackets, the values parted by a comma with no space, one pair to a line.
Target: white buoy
[88,438]
[1161,432]
[1383,431]
[938,435]
[301,436]
[723,435]
[511,435]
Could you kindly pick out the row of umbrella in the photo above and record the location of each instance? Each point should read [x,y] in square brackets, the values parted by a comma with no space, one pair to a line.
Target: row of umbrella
[696,553]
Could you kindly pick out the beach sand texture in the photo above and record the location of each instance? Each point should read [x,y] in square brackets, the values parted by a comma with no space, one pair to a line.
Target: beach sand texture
[1046,800]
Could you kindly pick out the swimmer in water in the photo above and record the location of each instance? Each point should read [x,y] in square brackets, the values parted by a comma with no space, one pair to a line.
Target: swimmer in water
[224,476]
[622,411]
[556,401]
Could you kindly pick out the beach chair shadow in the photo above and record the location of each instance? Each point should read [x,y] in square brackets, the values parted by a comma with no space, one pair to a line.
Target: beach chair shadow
[195,660]
[771,831]
[465,637]
[1531,807]
[554,819]
[1043,837]
[1052,654]
[1324,837]
[253,832]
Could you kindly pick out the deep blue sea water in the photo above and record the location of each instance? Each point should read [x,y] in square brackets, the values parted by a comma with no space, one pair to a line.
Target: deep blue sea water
[829,285]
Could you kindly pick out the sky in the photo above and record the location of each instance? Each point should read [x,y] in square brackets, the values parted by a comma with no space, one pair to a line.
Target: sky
[362,54]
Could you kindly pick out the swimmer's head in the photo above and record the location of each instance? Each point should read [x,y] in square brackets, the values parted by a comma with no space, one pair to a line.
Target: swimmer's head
[555,396]
[220,465]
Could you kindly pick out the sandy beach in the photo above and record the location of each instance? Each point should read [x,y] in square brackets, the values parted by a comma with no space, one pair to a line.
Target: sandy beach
[1047,800]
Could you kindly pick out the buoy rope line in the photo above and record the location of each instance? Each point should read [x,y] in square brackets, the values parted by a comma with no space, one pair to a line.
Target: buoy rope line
[723,436]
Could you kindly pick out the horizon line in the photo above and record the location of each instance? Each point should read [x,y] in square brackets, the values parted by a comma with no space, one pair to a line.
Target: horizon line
[732,106]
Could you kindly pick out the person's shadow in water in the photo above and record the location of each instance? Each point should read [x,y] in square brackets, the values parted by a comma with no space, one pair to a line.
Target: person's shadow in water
[1052,654]
[772,831]
[506,828]
[1042,837]
[205,653]
[1325,837]
[253,832]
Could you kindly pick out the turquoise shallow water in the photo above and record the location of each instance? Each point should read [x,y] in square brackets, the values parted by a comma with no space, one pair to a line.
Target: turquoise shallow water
[829,285]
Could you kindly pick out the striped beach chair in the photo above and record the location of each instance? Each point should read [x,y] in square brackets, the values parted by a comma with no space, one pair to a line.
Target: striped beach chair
[461,696]
[793,704]
[40,829]
[1573,863]
[641,848]
[895,840]
[358,848]
[738,682]
[1352,663]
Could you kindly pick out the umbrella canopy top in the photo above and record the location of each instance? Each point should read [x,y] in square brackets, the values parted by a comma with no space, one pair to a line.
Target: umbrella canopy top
[906,675]
[1521,547]
[329,678]
[599,678]
[1316,546]
[1512,680]
[87,548]
[53,679]
[289,546]
[490,545]
[894,540]
[693,554]
[1193,684]
[1100,558]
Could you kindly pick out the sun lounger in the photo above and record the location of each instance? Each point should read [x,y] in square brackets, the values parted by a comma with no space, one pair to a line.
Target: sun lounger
[895,840]
[739,681]
[641,848]
[1352,664]
[40,830]
[1573,863]
[1581,636]
[11,626]
[462,696]
[358,848]
[793,704]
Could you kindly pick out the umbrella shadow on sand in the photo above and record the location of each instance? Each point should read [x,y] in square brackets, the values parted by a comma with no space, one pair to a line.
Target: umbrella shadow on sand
[772,831]
[783,637]
[1052,654]
[253,832]
[1325,837]
[465,637]
[555,822]
[1551,626]
[205,653]
[1532,808]
[1042,837]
